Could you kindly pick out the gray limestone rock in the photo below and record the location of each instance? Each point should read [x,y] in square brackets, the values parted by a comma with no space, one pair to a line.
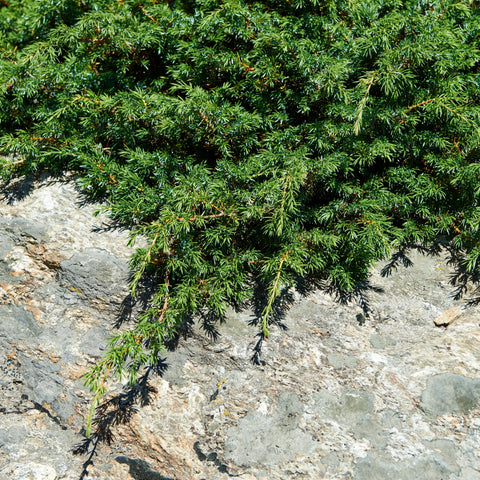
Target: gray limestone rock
[260,439]
[24,230]
[445,453]
[380,466]
[370,428]
[29,471]
[290,409]
[379,341]
[95,273]
[12,436]
[6,242]
[451,393]
[352,407]
[340,360]
[17,322]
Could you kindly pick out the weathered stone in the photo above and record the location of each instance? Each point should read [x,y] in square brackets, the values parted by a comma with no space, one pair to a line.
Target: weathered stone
[6,243]
[445,453]
[259,439]
[370,429]
[18,322]
[290,409]
[350,408]
[24,229]
[378,466]
[379,341]
[29,471]
[95,273]
[12,436]
[339,360]
[469,473]
[448,317]
[451,393]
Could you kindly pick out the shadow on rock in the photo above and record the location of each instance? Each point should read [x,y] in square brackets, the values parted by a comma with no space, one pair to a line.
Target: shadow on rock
[211,457]
[303,286]
[118,410]
[140,469]
[17,189]
[131,306]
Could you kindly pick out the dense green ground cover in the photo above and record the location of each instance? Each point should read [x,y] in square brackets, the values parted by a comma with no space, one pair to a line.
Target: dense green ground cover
[271,142]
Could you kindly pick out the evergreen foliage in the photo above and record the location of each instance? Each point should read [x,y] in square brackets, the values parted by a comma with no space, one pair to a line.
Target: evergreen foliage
[272,142]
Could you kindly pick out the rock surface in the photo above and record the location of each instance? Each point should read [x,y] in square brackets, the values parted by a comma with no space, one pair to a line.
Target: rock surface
[337,396]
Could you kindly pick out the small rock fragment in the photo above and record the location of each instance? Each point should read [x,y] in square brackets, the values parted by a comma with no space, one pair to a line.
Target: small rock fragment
[448,317]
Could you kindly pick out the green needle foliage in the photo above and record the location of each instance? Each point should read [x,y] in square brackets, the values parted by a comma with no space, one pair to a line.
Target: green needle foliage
[270,142]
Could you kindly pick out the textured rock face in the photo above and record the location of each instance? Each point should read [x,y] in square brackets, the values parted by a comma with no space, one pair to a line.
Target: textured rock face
[334,398]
